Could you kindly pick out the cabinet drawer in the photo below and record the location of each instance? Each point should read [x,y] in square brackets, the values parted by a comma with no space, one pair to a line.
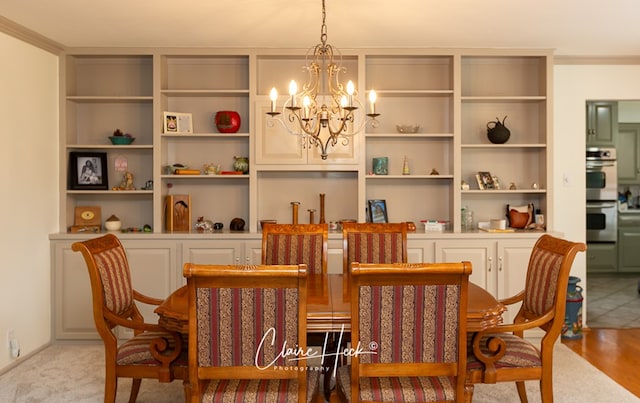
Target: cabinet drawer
[602,257]
[629,220]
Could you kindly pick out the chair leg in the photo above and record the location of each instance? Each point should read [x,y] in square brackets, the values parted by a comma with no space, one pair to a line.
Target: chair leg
[110,386]
[522,391]
[135,388]
[468,392]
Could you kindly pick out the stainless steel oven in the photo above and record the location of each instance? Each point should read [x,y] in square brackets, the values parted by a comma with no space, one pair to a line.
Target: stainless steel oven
[602,174]
[602,221]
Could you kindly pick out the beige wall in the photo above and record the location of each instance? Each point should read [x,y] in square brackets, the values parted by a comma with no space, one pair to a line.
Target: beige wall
[575,84]
[29,202]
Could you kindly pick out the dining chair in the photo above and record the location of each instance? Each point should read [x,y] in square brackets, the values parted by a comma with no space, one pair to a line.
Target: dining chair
[296,244]
[502,353]
[408,332]
[242,322]
[153,352]
[373,243]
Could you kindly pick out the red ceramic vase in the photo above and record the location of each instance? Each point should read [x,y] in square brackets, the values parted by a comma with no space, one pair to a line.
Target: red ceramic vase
[227,121]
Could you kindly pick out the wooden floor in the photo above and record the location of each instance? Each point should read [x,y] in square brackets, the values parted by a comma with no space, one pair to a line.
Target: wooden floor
[616,352]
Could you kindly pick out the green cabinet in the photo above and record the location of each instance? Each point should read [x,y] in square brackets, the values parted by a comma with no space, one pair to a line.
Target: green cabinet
[602,257]
[628,241]
[602,123]
[628,153]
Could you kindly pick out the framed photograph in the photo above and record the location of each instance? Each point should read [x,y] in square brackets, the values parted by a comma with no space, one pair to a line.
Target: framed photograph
[380,166]
[179,123]
[485,180]
[496,182]
[88,171]
[378,211]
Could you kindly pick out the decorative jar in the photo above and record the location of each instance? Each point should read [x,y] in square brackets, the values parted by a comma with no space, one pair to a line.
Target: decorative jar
[241,164]
[227,121]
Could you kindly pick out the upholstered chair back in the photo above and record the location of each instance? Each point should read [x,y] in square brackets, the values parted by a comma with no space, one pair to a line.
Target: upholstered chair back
[241,319]
[285,244]
[374,243]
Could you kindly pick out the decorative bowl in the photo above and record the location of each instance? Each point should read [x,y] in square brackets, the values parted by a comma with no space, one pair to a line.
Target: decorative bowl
[121,140]
[407,128]
[171,169]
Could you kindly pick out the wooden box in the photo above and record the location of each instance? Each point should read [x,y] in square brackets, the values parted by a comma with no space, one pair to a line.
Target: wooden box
[178,213]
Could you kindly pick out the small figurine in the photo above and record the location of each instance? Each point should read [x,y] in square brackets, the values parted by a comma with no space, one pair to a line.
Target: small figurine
[512,186]
[204,226]
[127,182]
[434,172]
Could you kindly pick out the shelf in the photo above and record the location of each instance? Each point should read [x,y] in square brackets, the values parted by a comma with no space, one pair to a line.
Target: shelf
[209,177]
[109,99]
[409,177]
[503,191]
[506,145]
[110,192]
[503,98]
[109,147]
[400,136]
[205,93]
[207,135]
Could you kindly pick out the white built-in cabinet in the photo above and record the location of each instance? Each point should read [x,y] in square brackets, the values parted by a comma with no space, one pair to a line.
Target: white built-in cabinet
[450,94]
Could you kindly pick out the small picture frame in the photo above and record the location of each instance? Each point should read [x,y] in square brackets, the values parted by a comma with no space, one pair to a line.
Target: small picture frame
[485,180]
[380,166]
[496,182]
[88,171]
[378,211]
[177,123]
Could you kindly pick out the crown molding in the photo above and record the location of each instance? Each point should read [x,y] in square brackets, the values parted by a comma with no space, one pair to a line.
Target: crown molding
[596,60]
[26,35]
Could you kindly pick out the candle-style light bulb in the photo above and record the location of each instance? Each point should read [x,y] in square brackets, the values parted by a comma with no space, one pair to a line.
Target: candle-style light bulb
[293,89]
[350,90]
[273,95]
[306,103]
[372,101]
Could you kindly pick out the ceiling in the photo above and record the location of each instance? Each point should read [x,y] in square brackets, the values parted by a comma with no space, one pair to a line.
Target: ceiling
[571,27]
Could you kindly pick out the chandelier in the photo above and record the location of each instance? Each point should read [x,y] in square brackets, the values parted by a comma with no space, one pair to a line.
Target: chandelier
[325,110]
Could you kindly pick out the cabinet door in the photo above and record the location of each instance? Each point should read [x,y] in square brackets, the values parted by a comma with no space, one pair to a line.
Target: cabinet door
[154,272]
[73,306]
[602,123]
[628,153]
[628,251]
[212,252]
[153,266]
[480,253]
[513,261]
[603,257]
[253,252]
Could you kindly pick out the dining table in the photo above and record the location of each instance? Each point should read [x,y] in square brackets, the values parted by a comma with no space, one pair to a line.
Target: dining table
[329,309]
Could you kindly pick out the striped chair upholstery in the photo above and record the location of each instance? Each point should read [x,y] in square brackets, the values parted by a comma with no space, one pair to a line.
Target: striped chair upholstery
[239,330]
[374,243]
[152,352]
[285,244]
[414,331]
[503,354]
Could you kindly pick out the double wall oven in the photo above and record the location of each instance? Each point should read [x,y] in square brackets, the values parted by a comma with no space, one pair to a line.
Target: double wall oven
[602,195]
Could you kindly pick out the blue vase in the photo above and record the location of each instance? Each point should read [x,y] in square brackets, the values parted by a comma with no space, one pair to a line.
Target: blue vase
[572,328]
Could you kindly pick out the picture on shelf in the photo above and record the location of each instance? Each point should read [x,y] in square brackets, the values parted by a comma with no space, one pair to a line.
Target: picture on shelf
[178,123]
[485,180]
[496,182]
[380,166]
[88,171]
[378,211]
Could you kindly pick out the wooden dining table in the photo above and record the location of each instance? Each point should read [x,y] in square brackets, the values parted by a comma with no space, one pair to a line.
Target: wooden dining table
[329,310]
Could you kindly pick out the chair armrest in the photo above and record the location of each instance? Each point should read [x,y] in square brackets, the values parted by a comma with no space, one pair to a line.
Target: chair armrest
[513,299]
[130,324]
[146,299]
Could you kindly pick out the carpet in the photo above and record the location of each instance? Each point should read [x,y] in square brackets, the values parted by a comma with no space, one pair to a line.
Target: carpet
[75,373]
